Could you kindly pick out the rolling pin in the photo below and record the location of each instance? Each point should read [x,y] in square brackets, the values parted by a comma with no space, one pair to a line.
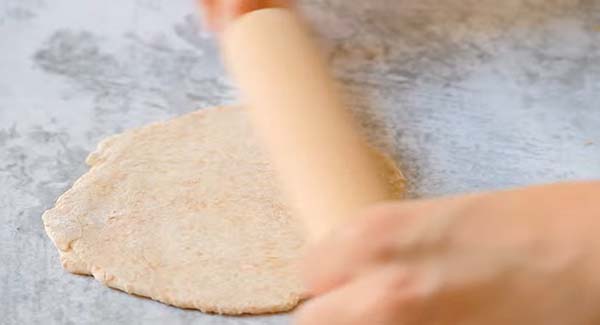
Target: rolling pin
[325,166]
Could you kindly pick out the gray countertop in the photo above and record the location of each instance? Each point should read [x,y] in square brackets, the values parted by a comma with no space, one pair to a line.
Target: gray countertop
[467,94]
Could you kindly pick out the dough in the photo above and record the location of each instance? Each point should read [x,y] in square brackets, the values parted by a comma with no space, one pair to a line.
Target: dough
[187,212]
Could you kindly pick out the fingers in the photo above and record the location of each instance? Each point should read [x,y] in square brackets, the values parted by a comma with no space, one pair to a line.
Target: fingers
[209,9]
[381,268]
[218,13]
[355,248]
[401,232]
[388,295]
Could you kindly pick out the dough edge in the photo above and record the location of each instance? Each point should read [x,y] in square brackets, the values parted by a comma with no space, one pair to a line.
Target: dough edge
[70,261]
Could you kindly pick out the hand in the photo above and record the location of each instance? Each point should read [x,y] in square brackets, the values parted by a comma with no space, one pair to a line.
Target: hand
[527,256]
[218,13]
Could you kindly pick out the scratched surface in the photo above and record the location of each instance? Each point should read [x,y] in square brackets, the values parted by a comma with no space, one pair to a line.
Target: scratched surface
[466,94]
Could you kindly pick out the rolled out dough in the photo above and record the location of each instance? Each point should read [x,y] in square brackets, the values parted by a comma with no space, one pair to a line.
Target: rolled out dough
[187,212]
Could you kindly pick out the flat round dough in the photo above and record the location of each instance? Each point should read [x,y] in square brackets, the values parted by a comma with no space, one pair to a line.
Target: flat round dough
[187,212]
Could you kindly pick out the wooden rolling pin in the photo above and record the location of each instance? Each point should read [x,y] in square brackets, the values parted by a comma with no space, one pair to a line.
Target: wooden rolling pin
[325,166]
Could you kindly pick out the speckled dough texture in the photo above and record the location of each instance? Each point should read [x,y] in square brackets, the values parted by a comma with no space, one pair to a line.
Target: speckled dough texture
[187,212]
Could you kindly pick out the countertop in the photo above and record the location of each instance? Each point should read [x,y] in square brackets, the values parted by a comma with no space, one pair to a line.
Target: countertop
[467,95]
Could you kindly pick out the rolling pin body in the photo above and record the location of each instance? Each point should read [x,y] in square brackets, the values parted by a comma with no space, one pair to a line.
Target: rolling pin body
[325,166]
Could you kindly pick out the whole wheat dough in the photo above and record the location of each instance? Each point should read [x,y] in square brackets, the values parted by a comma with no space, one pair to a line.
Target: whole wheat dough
[186,212]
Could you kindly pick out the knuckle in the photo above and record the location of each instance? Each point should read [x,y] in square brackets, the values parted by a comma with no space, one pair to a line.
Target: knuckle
[377,230]
[398,294]
[376,222]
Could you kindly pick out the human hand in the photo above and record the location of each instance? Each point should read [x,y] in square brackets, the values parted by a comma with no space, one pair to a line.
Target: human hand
[527,256]
[218,13]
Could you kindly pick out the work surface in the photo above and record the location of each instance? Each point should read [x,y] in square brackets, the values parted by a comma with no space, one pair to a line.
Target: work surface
[466,94]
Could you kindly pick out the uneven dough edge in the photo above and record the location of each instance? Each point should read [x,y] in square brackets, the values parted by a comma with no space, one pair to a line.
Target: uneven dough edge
[114,282]
[72,263]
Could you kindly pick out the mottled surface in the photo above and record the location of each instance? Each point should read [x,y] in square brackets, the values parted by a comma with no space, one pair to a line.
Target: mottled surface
[468,94]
